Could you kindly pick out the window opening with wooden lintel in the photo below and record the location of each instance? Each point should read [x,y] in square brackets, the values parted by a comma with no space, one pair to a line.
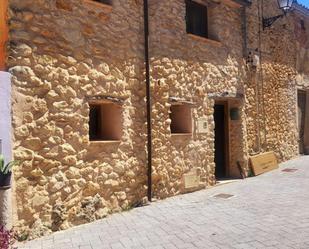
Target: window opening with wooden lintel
[105,119]
[196,18]
[181,116]
[99,3]
[108,2]
[201,16]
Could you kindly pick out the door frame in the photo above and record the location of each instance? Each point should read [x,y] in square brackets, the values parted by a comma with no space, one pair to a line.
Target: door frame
[226,105]
[305,90]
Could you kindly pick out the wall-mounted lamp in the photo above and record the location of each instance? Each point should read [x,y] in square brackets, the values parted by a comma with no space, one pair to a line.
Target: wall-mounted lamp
[285,6]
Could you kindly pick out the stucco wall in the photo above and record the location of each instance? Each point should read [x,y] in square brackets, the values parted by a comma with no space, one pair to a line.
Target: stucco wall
[5,114]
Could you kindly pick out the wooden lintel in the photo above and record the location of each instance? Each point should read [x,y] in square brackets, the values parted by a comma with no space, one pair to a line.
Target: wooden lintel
[104,99]
[179,101]
[225,95]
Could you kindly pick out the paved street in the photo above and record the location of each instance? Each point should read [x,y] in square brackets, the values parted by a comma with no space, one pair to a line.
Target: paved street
[269,211]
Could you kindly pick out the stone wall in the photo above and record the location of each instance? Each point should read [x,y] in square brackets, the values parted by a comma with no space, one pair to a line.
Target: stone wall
[62,52]
[271,90]
[192,68]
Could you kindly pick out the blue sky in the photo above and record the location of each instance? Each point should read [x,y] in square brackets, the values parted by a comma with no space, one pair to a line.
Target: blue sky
[304,2]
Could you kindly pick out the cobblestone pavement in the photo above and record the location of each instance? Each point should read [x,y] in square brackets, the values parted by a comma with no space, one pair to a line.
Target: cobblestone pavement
[269,211]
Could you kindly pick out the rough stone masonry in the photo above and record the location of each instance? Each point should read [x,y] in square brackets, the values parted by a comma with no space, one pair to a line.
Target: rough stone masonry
[62,53]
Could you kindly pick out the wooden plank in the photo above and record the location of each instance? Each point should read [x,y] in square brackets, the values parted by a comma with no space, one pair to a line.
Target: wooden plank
[264,163]
[3,32]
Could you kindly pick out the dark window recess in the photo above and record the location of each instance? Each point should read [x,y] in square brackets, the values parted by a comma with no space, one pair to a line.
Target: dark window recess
[196,18]
[94,122]
[109,2]
[181,119]
[105,122]
[302,25]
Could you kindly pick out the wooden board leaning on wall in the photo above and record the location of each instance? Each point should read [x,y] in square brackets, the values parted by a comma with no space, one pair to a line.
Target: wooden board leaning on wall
[263,163]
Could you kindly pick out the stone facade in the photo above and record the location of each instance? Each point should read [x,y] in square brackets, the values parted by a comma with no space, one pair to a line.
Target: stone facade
[273,87]
[63,52]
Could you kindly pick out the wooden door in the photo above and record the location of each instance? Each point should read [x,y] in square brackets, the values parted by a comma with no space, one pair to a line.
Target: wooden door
[220,141]
[301,99]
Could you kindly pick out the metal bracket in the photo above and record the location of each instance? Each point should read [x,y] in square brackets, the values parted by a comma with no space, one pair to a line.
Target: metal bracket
[267,22]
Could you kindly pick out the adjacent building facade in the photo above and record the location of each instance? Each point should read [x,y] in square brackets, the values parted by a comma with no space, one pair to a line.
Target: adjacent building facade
[221,89]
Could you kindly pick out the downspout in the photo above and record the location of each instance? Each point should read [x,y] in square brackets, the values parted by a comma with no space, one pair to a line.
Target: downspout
[245,31]
[148,103]
[261,78]
[245,54]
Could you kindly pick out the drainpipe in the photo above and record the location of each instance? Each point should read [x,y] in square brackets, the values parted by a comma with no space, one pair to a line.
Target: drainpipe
[148,103]
[244,30]
[261,74]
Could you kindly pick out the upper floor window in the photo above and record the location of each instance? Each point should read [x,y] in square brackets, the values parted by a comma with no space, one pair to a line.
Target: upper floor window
[302,25]
[109,2]
[197,18]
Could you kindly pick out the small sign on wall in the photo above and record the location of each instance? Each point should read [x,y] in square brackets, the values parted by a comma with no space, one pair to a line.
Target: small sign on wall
[191,180]
[201,125]
[234,114]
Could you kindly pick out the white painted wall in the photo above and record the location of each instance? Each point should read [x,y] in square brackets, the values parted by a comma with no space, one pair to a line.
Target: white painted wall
[5,115]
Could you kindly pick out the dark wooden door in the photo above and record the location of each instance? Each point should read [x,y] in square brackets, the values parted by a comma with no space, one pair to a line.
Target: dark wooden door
[301,118]
[220,141]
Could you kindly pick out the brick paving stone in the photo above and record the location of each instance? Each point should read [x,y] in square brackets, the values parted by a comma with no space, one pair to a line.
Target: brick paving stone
[268,211]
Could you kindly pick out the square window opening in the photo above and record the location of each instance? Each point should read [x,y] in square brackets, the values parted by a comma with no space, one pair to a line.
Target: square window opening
[302,25]
[105,122]
[196,19]
[181,119]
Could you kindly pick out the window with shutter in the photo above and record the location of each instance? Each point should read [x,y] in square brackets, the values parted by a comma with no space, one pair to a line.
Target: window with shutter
[197,19]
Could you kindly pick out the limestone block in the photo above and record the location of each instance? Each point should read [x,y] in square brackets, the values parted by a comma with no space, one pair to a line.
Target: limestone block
[39,200]
[91,189]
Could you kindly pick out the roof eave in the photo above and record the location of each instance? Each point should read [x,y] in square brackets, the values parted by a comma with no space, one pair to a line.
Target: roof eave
[302,8]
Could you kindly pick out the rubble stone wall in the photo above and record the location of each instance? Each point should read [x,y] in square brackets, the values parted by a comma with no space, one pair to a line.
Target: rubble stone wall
[191,68]
[271,91]
[62,52]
